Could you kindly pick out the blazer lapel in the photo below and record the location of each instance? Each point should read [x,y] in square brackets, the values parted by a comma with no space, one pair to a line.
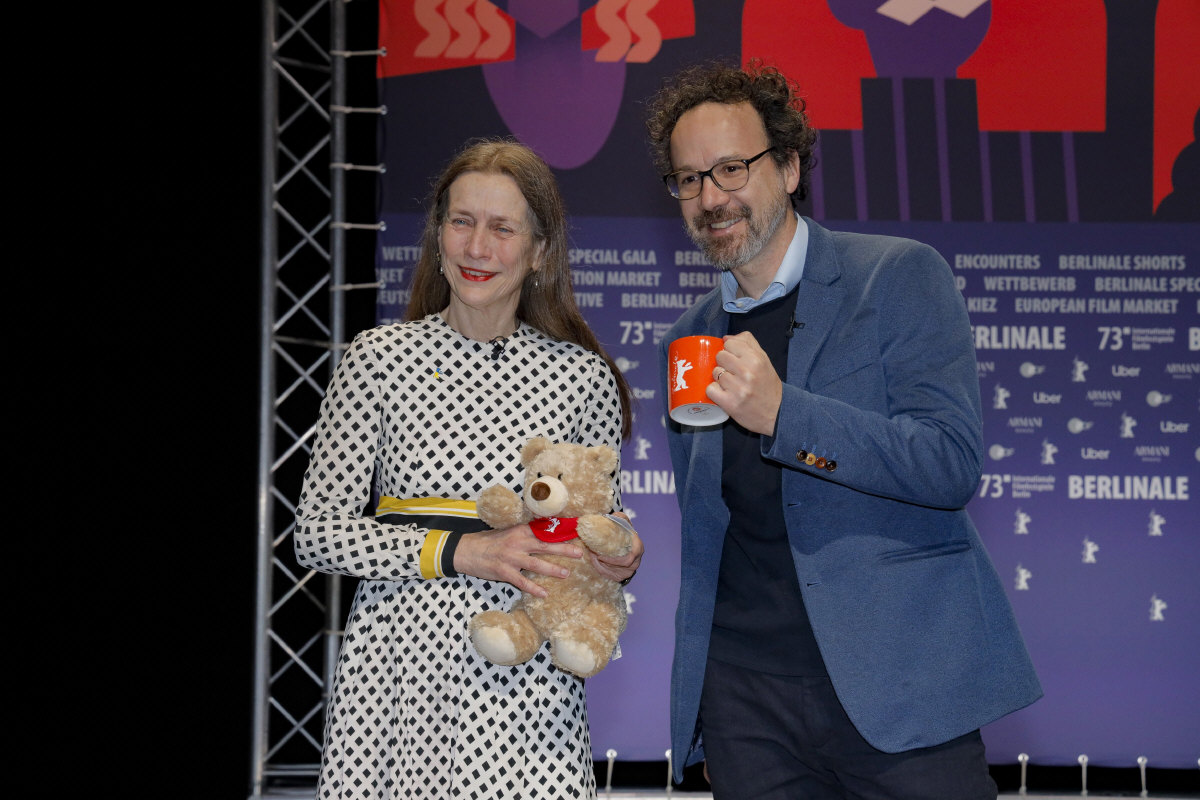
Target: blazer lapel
[817,304]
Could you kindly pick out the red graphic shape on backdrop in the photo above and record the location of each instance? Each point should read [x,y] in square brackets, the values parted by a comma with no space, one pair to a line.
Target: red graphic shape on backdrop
[431,35]
[1041,66]
[826,58]
[1176,87]
[634,30]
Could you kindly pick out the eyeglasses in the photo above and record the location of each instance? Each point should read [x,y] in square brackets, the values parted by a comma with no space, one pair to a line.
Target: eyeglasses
[685,184]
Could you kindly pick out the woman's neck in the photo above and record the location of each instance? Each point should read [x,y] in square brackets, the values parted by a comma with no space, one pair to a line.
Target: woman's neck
[477,325]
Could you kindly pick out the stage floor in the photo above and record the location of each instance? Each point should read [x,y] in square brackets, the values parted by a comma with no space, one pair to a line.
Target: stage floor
[661,794]
[628,794]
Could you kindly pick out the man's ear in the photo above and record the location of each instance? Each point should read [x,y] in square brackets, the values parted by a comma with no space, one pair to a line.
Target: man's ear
[791,171]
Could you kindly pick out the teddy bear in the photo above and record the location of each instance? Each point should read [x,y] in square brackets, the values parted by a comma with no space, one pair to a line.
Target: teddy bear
[567,493]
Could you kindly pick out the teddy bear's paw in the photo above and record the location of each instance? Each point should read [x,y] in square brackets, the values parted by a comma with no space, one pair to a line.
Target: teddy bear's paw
[505,638]
[495,645]
[606,535]
[575,657]
[500,507]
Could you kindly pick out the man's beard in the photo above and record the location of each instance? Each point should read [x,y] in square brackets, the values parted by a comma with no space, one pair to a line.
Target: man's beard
[728,254]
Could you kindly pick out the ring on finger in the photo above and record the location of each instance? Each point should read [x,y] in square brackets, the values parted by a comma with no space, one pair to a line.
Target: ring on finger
[720,375]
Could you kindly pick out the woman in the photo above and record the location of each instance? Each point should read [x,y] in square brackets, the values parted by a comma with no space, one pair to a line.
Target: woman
[493,351]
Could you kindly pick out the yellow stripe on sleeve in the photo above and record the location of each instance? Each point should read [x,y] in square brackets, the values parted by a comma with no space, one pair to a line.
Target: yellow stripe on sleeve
[427,505]
[431,554]
[426,512]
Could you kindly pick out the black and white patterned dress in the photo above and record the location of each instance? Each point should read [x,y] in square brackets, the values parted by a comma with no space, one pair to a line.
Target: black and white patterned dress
[415,711]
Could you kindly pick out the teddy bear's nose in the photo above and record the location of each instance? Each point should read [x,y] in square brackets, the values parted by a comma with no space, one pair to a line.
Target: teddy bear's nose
[539,491]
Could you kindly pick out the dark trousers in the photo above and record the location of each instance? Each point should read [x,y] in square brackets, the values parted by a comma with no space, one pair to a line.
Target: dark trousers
[781,737]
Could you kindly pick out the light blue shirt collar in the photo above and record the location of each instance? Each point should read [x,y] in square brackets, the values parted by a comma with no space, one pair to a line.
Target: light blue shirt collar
[786,277]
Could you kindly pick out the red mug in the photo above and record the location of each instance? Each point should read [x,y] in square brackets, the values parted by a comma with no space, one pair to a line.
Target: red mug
[691,363]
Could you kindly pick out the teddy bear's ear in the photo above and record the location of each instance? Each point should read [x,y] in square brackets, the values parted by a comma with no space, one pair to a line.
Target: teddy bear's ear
[533,448]
[604,457]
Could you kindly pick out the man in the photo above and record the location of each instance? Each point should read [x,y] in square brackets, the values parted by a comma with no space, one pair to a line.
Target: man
[841,632]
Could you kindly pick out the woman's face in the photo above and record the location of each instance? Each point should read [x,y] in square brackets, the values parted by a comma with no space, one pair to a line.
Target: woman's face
[487,245]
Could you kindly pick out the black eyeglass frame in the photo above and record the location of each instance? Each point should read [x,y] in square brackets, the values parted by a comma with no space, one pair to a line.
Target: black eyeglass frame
[709,173]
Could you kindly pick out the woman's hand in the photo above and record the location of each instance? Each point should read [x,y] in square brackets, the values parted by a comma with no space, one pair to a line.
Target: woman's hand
[501,555]
[620,569]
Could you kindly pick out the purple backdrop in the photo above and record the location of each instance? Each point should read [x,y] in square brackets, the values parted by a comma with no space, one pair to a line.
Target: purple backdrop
[1087,325]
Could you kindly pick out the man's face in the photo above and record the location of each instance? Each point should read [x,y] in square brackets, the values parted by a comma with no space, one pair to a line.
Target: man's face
[733,228]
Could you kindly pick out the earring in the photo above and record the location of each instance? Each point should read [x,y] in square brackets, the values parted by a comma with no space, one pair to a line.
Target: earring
[438,258]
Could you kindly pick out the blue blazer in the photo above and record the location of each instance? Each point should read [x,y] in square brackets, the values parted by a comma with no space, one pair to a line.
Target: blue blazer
[911,618]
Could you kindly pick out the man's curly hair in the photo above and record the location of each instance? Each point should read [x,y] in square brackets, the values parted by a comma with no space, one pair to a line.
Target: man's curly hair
[773,95]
